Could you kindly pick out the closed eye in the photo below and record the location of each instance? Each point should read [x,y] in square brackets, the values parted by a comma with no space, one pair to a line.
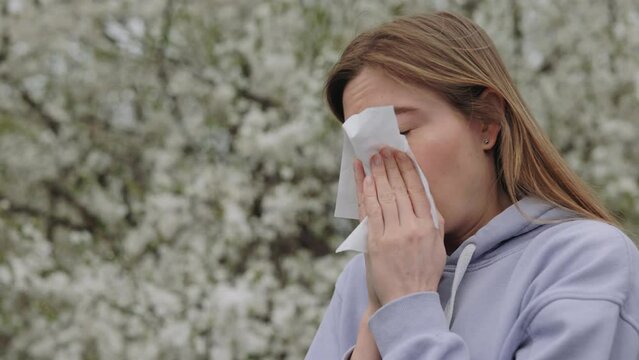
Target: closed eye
[405,132]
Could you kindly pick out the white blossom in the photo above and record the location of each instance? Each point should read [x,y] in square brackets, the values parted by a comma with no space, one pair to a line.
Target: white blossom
[168,168]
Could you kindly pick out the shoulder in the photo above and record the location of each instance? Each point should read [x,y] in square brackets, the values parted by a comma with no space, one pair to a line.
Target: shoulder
[587,237]
[584,258]
[587,240]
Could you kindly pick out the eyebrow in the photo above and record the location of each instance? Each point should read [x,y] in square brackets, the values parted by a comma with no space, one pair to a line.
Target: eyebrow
[403,109]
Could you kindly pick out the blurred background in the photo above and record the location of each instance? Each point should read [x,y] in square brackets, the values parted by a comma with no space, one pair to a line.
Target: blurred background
[168,168]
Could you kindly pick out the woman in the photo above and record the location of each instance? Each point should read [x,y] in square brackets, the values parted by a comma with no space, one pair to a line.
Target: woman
[527,265]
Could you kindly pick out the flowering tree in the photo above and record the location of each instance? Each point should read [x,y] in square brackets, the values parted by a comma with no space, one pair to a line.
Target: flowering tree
[168,168]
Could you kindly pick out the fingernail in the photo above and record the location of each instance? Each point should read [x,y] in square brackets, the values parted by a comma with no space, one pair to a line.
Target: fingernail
[387,153]
[377,161]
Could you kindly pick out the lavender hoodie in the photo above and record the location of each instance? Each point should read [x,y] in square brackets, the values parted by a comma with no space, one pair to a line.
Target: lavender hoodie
[514,290]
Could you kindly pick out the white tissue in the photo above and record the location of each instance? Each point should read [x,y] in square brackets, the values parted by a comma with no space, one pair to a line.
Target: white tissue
[364,135]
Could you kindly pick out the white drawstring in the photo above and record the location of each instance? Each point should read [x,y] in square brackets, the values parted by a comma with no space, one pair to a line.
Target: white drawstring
[462,264]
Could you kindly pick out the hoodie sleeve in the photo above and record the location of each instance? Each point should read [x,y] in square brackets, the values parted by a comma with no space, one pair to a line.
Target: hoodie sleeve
[414,327]
[577,328]
[337,332]
[325,345]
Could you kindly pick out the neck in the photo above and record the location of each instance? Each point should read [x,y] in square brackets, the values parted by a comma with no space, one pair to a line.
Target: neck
[495,205]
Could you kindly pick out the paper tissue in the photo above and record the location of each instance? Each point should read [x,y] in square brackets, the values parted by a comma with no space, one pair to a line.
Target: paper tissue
[364,135]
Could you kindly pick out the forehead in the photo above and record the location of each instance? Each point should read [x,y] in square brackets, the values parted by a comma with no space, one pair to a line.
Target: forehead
[372,87]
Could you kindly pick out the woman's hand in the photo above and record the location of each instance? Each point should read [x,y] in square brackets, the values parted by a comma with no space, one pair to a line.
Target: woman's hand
[373,301]
[406,253]
[365,346]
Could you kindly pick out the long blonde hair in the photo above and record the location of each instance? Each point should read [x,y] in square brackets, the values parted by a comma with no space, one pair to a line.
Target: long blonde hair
[453,56]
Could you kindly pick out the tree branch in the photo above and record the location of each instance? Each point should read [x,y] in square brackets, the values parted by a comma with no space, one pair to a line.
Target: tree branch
[91,221]
[612,21]
[4,37]
[49,121]
[518,35]
[264,101]
[19,209]
[163,72]
[469,7]
[4,47]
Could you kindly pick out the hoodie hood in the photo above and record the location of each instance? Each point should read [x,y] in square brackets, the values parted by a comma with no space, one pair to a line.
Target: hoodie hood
[508,225]
[516,220]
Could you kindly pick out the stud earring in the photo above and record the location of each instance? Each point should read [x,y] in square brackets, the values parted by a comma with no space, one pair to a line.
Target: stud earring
[485,140]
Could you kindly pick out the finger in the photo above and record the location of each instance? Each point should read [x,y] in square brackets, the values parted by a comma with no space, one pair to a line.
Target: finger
[358,169]
[373,209]
[404,206]
[385,194]
[442,224]
[414,186]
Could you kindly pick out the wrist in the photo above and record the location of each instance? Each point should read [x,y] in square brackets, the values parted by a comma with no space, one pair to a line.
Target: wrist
[368,313]
[371,309]
[365,347]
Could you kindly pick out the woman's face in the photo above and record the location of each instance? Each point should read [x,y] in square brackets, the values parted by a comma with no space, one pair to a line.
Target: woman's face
[449,148]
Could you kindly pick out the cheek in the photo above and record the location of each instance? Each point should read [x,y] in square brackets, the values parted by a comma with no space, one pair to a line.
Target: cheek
[450,181]
[434,157]
[447,163]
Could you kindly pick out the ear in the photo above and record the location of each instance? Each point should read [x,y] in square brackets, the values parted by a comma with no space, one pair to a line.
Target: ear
[490,127]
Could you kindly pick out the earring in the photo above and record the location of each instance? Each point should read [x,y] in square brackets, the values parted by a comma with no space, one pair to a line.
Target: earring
[485,140]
